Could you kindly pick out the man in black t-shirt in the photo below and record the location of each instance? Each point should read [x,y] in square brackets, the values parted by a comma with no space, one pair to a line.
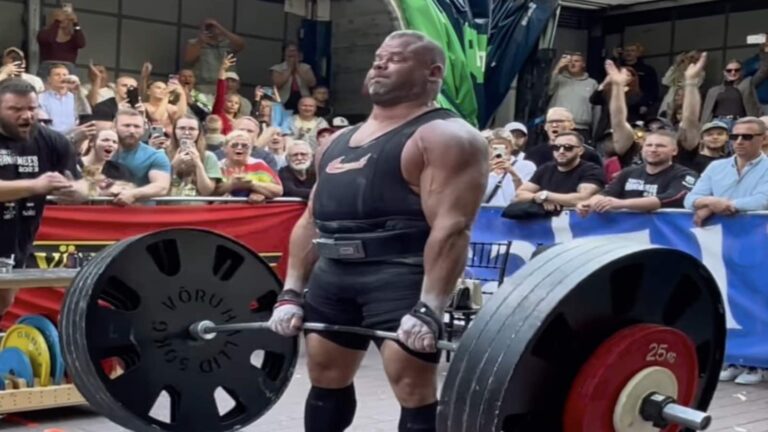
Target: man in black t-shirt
[656,184]
[34,162]
[713,146]
[565,182]
[298,177]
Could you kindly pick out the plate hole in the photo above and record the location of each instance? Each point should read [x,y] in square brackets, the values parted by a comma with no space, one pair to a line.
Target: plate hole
[265,303]
[119,295]
[161,410]
[165,254]
[224,401]
[257,358]
[226,262]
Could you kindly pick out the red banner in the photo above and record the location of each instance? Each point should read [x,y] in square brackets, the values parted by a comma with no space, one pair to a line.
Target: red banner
[71,235]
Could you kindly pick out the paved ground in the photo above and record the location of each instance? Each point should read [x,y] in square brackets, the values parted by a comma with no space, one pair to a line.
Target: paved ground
[735,409]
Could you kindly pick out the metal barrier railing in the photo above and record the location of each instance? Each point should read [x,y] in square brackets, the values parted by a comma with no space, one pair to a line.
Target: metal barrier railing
[174,200]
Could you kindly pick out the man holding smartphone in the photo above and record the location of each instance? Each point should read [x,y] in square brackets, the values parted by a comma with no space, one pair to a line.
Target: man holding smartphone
[206,52]
[15,65]
[570,87]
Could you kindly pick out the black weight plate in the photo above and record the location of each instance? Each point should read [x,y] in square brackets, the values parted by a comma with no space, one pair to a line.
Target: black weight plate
[488,329]
[550,325]
[135,303]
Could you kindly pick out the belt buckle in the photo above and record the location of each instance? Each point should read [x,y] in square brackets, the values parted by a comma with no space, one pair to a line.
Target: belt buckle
[340,249]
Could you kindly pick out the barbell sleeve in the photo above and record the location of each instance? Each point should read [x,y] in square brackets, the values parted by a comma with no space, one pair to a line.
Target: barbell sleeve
[207,330]
[686,417]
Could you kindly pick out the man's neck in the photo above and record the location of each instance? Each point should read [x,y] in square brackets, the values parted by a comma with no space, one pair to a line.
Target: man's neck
[321,103]
[300,174]
[568,167]
[631,63]
[129,147]
[399,113]
[655,169]
[706,151]
[742,162]
[60,91]
[576,75]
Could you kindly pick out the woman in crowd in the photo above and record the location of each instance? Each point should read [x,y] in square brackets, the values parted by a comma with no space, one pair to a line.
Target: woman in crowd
[195,171]
[104,176]
[306,123]
[674,79]
[508,171]
[637,105]
[60,42]
[275,142]
[160,111]
[292,78]
[225,106]
[245,176]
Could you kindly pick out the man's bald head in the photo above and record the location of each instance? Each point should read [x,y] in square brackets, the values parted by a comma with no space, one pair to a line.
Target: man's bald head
[428,49]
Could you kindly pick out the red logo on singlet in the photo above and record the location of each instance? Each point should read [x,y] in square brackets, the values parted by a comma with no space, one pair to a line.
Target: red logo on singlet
[337,166]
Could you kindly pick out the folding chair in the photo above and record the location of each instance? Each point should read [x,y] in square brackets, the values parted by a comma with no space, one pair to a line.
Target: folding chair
[489,262]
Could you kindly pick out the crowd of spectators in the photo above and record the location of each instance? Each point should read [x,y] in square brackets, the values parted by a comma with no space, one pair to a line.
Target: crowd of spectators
[619,145]
[194,134]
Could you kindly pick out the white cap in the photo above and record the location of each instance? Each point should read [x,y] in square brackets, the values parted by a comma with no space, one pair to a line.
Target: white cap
[232,75]
[339,122]
[516,126]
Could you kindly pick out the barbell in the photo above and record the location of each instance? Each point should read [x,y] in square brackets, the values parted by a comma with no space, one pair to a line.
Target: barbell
[591,335]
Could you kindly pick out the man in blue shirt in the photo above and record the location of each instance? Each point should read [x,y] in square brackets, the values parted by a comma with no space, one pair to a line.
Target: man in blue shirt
[59,101]
[150,168]
[735,184]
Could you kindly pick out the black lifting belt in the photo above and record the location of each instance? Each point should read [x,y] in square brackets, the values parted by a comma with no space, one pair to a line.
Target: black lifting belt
[372,246]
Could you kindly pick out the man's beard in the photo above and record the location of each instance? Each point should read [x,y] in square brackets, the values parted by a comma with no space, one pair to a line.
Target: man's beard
[301,167]
[565,163]
[12,130]
[128,140]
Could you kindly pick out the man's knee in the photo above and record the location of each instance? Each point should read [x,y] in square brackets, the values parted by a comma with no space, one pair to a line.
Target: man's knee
[413,391]
[329,365]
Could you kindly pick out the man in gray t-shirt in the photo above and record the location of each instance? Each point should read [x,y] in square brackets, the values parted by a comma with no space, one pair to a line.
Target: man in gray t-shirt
[570,87]
[206,52]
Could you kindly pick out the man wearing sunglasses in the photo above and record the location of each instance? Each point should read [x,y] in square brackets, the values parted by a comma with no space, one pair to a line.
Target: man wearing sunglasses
[657,183]
[736,97]
[565,182]
[736,184]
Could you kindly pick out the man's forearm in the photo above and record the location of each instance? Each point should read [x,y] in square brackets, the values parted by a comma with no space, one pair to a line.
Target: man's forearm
[524,196]
[152,190]
[269,190]
[568,200]
[15,190]
[445,257]
[646,204]
[301,252]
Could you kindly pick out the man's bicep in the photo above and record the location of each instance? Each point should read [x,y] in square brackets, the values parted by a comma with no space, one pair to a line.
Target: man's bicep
[159,177]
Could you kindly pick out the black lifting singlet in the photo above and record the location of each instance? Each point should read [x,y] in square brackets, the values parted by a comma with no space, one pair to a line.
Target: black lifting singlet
[358,186]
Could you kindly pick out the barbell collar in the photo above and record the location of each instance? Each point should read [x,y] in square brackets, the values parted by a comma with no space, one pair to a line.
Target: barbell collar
[663,410]
[207,330]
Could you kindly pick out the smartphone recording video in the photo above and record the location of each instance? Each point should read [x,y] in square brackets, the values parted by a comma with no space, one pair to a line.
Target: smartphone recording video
[133,96]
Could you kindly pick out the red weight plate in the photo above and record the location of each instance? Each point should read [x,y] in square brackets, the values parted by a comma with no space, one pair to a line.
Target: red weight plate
[601,379]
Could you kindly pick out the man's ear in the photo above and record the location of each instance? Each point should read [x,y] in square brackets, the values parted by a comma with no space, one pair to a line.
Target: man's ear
[436,72]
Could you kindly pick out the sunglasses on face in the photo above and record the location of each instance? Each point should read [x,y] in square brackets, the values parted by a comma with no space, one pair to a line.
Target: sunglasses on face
[733,70]
[567,147]
[744,137]
[238,145]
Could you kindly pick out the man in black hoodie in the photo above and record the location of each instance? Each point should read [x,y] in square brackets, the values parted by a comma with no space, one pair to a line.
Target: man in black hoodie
[649,79]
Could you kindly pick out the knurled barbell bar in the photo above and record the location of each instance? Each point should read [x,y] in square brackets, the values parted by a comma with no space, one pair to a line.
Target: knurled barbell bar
[656,408]
[613,336]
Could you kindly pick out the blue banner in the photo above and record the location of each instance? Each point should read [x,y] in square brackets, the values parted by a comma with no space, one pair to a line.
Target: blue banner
[734,249]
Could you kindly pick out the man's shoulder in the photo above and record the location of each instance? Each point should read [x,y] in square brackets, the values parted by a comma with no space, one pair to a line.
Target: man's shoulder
[682,170]
[52,139]
[452,129]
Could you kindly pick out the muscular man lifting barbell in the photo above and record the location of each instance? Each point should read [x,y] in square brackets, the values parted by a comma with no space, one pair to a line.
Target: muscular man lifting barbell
[385,238]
